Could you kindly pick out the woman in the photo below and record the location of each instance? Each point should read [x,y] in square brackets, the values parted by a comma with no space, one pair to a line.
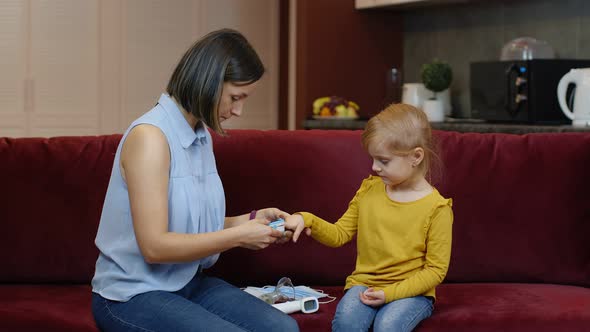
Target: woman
[163,219]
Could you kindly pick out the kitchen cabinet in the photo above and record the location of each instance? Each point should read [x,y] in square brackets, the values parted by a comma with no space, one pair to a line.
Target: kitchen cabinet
[91,67]
[13,67]
[49,80]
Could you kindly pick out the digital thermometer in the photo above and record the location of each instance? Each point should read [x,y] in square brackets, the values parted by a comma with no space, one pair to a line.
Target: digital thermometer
[307,305]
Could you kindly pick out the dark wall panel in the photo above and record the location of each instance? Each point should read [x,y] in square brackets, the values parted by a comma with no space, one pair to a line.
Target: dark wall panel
[345,52]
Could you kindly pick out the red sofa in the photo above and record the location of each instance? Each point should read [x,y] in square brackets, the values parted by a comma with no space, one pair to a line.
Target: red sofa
[521,246]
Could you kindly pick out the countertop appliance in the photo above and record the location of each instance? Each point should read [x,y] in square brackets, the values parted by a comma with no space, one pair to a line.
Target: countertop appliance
[526,48]
[580,112]
[519,91]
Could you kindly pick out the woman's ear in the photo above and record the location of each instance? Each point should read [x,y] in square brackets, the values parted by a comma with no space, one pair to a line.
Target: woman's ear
[417,156]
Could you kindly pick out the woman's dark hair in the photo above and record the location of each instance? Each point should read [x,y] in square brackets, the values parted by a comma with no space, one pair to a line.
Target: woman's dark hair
[221,56]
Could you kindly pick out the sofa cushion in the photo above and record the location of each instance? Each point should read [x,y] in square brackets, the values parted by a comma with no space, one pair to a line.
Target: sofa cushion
[29,308]
[460,307]
[488,307]
[509,307]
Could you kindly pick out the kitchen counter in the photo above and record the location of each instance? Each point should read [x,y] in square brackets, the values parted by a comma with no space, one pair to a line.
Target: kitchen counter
[334,124]
[461,125]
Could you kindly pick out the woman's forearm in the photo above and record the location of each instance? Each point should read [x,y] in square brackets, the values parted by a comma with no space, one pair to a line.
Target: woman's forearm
[235,221]
[178,247]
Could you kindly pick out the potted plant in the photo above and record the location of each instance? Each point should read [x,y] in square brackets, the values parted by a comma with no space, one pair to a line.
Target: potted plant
[437,77]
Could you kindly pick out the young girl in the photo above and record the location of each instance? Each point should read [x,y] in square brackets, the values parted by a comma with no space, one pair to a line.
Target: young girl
[403,227]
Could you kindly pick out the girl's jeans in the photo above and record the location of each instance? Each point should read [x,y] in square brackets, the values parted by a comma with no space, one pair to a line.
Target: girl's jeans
[399,315]
[204,304]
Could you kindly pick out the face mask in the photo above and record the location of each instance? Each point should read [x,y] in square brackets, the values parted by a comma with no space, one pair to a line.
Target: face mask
[297,292]
[284,291]
[278,294]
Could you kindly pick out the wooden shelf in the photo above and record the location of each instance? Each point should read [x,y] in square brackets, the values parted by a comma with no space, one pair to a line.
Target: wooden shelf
[507,128]
[465,127]
[334,124]
[400,4]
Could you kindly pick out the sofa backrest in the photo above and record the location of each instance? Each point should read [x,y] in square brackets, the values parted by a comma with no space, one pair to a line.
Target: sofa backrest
[520,203]
[315,171]
[51,196]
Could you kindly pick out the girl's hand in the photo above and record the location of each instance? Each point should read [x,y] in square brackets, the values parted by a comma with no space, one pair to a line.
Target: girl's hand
[372,297]
[256,234]
[296,224]
[271,214]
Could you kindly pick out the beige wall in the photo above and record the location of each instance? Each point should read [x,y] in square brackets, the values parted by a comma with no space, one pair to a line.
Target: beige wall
[73,67]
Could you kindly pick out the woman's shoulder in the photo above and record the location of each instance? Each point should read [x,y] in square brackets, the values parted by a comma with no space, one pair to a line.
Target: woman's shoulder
[148,127]
[145,141]
[155,117]
[146,132]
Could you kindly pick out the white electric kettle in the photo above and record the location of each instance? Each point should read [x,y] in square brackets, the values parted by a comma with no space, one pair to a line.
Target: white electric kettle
[580,115]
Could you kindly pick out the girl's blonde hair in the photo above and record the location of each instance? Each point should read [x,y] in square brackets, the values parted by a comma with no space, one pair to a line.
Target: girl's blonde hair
[402,128]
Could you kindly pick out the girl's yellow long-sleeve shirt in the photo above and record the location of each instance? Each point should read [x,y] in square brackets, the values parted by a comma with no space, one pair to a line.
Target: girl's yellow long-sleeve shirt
[403,249]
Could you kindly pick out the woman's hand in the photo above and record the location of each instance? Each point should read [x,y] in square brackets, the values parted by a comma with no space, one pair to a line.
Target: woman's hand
[296,224]
[372,297]
[258,235]
[273,214]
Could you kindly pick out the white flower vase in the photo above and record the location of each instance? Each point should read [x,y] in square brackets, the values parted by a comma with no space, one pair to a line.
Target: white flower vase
[434,109]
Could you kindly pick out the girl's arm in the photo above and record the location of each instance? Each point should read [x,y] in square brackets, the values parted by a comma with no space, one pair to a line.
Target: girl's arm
[438,255]
[329,234]
[270,214]
[145,164]
[333,234]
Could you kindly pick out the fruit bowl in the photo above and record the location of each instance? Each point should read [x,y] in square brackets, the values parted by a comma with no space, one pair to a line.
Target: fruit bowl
[334,107]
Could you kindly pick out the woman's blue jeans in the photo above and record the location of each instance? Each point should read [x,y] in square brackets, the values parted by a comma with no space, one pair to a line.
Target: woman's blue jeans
[204,304]
[399,315]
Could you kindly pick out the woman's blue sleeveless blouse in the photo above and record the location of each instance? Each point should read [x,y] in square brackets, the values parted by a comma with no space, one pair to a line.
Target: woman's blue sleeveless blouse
[196,204]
